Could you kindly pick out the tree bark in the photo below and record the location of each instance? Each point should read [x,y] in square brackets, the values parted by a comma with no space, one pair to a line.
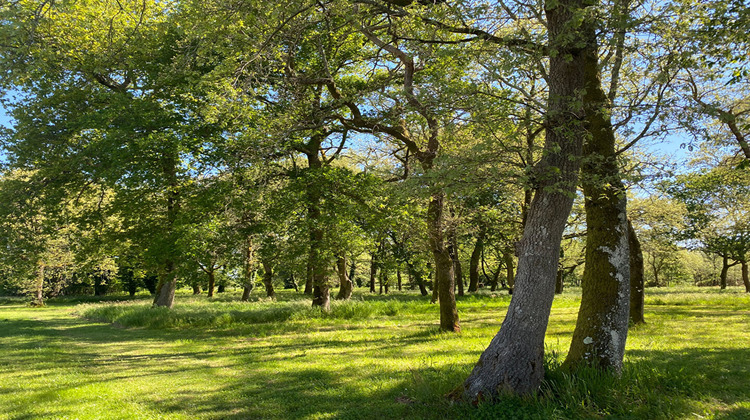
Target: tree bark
[476,256]
[398,277]
[636,278]
[444,279]
[745,279]
[211,281]
[268,278]
[196,288]
[168,279]
[559,286]
[373,271]
[453,251]
[602,324]
[508,258]
[724,270]
[514,360]
[345,282]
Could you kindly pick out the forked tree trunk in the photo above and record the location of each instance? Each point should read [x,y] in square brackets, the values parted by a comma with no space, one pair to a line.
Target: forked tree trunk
[268,278]
[602,324]
[637,288]
[476,256]
[514,360]
[345,282]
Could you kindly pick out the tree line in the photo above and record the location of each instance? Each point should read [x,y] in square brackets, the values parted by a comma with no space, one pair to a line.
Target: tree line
[153,141]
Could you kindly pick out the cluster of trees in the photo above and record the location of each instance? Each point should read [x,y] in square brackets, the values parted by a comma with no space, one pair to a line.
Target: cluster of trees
[444,142]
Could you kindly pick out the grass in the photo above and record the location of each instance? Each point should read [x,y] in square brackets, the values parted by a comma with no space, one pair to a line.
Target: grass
[373,357]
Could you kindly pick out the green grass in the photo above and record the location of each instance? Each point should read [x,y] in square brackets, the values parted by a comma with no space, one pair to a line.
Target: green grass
[374,357]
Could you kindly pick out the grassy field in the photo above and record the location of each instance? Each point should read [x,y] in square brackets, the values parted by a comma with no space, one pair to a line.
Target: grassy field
[372,358]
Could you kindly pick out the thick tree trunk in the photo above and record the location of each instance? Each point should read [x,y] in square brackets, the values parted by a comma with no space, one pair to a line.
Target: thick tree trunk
[268,278]
[166,287]
[345,282]
[444,279]
[636,278]
[745,279]
[476,256]
[602,324]
[246,294]
[514,360]
[211,281]
[196,289]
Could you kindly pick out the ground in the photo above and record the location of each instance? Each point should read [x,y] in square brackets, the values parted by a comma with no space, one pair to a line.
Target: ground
[375,357]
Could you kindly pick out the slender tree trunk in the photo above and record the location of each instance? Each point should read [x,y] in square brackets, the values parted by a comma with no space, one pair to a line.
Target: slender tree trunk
[453,251]
[398,277]
[418,278]
[496,278]
[39,287]
[636,278]
[476,256]
[602,324]
[508,258]
[345,282]
[352,271]
[373,271]
[559,286]
[435,289]
[514,360]
[247,272]
[745,279]
[724,270]
[268,278]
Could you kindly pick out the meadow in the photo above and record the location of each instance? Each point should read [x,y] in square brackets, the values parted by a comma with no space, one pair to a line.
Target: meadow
[374,357]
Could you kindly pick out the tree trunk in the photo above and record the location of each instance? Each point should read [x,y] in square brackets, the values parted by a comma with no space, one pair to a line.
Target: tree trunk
[166,287]
[247,271]
[476,256]
[453,251]
[373,271]
[345,282]
[724,270]
[39,287]
[418,278]
[514,360]
[268,278]
[168,279]
[444,279]
[352,271]
[636,278]
[398,277]
[508,258]
[435,290]
[602,324]
[196,288]
[559,281]
[745,280]
[211,281]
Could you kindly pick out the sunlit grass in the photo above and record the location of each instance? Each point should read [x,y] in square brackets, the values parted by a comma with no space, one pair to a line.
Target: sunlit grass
[373,357]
